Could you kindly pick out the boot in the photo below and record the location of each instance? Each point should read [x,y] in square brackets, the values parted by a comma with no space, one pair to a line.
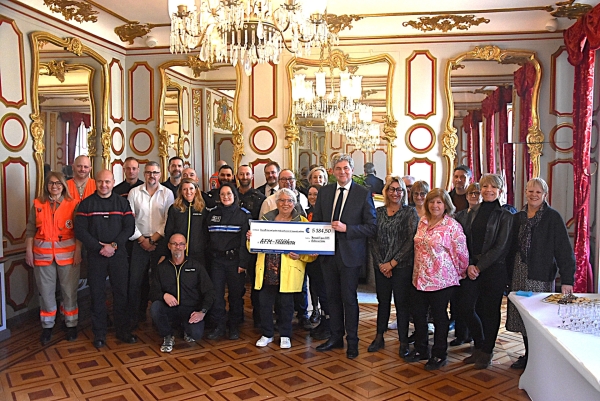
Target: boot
[484,360]
[474,356]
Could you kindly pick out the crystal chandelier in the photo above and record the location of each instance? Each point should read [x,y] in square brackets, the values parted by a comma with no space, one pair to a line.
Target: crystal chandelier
[341,112]
[247,31]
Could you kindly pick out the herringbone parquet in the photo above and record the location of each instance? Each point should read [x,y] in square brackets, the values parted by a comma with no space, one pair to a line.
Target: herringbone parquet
[238,370]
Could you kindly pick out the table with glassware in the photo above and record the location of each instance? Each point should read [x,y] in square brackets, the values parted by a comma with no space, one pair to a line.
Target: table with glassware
[564,348]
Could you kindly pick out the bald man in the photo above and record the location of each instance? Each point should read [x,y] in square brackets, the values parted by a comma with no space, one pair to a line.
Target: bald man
[190,173]
[103,223]
[80,186]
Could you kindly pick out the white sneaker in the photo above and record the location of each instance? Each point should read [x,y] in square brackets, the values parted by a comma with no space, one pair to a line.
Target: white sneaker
[285,343]
[393,325]
[264,341]
[167,345]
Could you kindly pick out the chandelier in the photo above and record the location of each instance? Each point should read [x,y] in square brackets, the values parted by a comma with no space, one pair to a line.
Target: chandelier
[247,31]
[341,112]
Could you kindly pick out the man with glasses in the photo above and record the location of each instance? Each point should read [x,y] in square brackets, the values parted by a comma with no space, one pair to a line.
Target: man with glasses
[409,180]
[103,223]
[150,204]
[461,180]
[286,179]
[181,293]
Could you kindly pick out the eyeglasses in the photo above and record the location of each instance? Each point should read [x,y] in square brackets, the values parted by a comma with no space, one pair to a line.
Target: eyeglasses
[177,244]
[152,172]
[420,194]
[287,179]
[55,184]
[397,190]
[226,195]
[474,193]
[408,186]
[285,201]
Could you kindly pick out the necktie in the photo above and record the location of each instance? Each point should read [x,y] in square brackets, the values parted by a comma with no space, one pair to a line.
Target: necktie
[272,191]
[338,205]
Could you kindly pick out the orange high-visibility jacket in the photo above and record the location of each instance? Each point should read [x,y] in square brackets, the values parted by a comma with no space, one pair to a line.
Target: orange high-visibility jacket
[55,238]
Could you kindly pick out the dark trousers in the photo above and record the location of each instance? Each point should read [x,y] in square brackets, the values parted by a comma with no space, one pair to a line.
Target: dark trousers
[400,284]
[139,284]
[117,270]
[268,295]
[437,303]
[461,331]
[480,301]
[341,283]
[254,294]
[317,283]
[225,272]
[166,317]
[301,299]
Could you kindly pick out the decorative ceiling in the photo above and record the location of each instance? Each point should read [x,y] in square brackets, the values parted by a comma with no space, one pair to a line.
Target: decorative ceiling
[128,23]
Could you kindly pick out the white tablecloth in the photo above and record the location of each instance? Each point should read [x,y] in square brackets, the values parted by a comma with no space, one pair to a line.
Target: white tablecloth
[562,365]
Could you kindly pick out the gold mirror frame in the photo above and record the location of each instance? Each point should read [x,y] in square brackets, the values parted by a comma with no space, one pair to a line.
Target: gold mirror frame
[197,67]
[535,137]
[73,45]
[342,61]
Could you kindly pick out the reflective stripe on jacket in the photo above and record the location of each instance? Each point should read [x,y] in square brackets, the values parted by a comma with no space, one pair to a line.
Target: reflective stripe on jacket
[55,238]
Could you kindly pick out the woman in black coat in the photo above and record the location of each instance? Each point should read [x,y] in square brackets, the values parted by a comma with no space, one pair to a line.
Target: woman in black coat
[541,249]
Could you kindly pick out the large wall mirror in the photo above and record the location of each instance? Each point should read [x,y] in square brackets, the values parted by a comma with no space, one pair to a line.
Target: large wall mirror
[69,91]
[214,91]
[309,142]
[473,76]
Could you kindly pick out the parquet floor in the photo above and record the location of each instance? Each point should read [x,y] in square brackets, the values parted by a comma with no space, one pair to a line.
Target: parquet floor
[238,370]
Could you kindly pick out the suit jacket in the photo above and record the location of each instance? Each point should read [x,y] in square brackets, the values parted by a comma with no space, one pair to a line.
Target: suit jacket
[375,184]
[358,215]
[262,188]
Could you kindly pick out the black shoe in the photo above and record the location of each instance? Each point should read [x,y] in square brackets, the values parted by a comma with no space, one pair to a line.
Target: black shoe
[416,356]
[99,343]
[404,350]
[434,363]
[376,345]
[127,338]
[459,341]
[234,333]
[331,344]
[71,334]
[352,352]
[216,334]
[321,332]
[315,316]
[46,335]
[521,363]
[411,338]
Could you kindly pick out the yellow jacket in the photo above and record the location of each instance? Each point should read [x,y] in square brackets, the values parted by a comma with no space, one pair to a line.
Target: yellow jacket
[291,272]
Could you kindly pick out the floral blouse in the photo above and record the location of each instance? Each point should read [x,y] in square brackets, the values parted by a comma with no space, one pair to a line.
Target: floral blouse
[441,255]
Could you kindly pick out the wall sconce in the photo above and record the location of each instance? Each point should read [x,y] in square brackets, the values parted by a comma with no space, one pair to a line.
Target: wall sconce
[552,25]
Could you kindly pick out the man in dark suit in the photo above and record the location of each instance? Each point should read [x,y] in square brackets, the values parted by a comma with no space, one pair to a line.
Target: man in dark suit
[350,209]
[374,183]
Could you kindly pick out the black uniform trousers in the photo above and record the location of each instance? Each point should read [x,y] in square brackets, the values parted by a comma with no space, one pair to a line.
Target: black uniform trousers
[117,269]
[225,272]
[166,317]
[400,284]
[139,280]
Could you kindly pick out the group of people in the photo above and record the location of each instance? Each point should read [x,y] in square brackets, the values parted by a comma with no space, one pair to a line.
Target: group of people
[180,248]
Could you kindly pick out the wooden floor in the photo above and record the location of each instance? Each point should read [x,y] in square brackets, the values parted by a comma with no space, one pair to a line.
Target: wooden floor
[238,370]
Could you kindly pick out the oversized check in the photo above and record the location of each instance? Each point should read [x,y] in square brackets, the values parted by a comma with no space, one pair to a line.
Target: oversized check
[294,236]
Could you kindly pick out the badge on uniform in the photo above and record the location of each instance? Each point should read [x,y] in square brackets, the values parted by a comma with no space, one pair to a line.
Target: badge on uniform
[69,224]
[216,219]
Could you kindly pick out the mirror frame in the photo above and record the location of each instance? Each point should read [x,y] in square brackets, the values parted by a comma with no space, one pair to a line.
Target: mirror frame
[535,138]
[342,61]
[197,67]
[73,45]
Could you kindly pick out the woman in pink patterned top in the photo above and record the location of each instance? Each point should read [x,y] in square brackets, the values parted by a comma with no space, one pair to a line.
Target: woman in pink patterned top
[441,260]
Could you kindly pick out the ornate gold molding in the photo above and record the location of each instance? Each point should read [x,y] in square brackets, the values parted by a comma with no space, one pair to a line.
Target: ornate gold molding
[535,138]
[571,10]
[198,66]
[133,29]
[337,23]
[56,69]
[197,105]
[446,22]
[73,10]
[222,119]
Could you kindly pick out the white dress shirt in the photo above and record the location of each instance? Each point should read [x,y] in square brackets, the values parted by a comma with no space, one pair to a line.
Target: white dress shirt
[337,194]
[268,190]
[150,211]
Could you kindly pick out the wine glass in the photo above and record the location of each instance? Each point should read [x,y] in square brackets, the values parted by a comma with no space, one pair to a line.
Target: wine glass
[564,310]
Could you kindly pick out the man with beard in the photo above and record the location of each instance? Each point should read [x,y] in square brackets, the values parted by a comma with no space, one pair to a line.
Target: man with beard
[175,169]
[150,204]
[211,198]
[271,170]
[214,178]
[131,167]
[461,180]
[103,223]
[182,293]
[80,186]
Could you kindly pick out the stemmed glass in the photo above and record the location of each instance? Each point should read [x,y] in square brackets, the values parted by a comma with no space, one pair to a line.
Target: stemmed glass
[564,311]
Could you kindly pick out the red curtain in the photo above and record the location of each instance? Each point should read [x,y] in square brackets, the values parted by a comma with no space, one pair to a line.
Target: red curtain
[524,79]
[475,120]
[74,119]
[467,129]
[506,153]
[489,107]
[581,40]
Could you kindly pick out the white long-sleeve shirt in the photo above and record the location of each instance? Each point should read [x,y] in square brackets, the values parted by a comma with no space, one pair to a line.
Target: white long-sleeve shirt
[150,211]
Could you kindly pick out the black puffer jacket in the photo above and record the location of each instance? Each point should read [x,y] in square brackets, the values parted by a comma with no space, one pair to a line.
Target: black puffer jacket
[191,224]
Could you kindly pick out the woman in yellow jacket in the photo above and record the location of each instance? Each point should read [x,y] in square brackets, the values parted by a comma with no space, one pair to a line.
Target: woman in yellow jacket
[279,275]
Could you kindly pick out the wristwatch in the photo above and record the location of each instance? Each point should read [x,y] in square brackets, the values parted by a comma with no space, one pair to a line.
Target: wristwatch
[114,245]
[204,311]
[152,242]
